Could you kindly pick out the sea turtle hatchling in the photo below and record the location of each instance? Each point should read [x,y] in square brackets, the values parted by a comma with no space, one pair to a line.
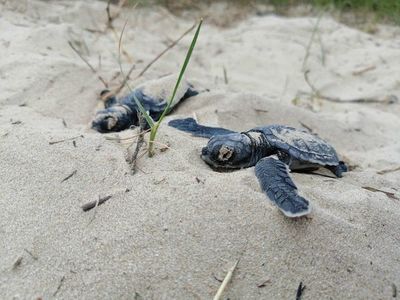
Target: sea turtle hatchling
[273,150]
[121,114]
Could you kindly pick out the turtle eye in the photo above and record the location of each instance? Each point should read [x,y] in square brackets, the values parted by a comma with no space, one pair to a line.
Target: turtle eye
[225,153]
[111,122]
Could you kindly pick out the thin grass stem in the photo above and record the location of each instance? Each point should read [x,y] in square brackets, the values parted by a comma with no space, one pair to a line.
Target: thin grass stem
[154,128]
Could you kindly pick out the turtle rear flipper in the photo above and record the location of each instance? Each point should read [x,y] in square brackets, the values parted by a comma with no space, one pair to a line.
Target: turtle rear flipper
[190,125]
[190,92]
[275,181]
[108,98]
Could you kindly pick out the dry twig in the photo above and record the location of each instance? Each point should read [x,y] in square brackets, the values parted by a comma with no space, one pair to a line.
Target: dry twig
[87,63]
[226,281]
[300,291]
[388,194]
[364,70]
[308,49]
[31,254]
[225,75]
[69,176]
[95,211]
[17,263]
[306,127]
[59,286]
[140,141]
[264,283]
[173,44]
[64,140]
[92,204]
[110,18]
[388,171]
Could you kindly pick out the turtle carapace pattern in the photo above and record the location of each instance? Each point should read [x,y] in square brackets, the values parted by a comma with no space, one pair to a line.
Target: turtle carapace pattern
[274,150]
[121,114]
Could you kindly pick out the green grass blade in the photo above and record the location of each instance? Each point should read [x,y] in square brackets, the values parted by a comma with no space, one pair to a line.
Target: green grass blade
[182,72]
[154,129]
[148,118]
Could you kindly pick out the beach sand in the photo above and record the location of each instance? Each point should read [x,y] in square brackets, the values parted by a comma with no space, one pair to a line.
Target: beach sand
[173,230]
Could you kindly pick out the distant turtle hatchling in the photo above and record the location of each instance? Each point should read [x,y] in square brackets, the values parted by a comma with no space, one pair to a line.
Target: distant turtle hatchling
[121,114]
[273,150]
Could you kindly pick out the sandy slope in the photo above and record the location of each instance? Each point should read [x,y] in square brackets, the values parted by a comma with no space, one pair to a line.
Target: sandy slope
[181,225]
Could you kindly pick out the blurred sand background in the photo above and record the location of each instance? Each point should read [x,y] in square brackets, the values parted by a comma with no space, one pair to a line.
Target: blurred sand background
[173,230]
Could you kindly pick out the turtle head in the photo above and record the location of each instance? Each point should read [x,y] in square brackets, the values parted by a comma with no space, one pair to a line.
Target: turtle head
[229,151]
[115,118]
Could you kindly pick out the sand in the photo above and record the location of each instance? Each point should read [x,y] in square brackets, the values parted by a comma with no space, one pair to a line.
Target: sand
[174,229]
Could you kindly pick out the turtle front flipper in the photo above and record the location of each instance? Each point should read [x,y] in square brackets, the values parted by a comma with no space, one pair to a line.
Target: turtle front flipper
[338,169]
[114,118]
[190,125]
[275,181]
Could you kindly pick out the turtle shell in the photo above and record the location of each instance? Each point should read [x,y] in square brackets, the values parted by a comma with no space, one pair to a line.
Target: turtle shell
[299,144]
[154,94]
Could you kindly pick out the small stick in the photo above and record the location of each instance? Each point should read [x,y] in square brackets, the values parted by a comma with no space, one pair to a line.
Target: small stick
[94,30]
[69,176]
[362,71]
[264,283]
[388,194]
[31,254]
[215,277]
[64,140]
[165,146]
[139,157]
[225,75]
[323,55]
[115,76]
[173,44]
[313,88]
[314,31]
[109,18]
[92,204]
[306,127]
[17,263]
[141,170]
[226,281]
[260,110]
[59,285]
[300,291]
[388,171]
[95,211]
[112,138]
[139,144]
[87,63]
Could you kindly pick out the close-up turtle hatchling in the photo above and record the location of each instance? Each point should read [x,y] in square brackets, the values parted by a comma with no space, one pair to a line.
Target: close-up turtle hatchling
[121,114]
[274,150]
